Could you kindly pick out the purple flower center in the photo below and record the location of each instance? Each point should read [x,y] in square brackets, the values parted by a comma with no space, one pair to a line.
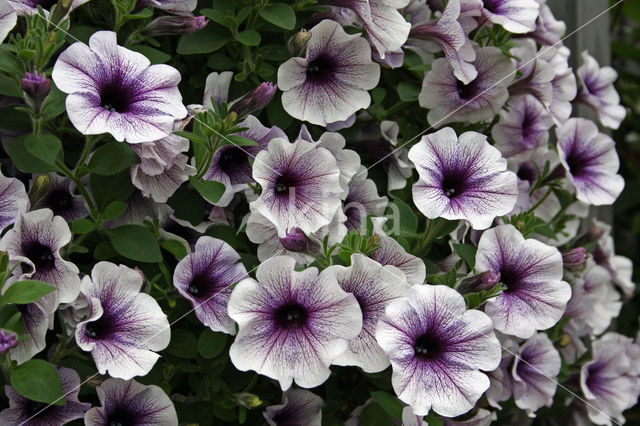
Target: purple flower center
[321,69]
[121,417]
[232,158]
[576,163]
[59,201]
[295,241]
[491,5]
[527,172]
[40,255]
[46,4]
[511,279]
[291,315]
[428,346]
[200,286]
[454,183]
[116,97]
[466,91]
[284,182]
[34,407]
[100,328]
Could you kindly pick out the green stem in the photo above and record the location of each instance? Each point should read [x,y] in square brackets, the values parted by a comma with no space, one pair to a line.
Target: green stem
[67,172]
[541,200]
[88,146]
[434,226]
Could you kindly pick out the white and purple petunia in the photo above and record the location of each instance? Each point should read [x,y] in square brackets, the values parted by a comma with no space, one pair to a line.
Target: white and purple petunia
[299,407]
[23,411]
[205,277]
[450,100]
[176,7]
[36,323]
[300,185]
[591,161]
[610,381]
[125,327]
[30,7]
[331,82]
[374,287]
[8,19]
[35,240]
[115,90]
[61,199]
[362,200]
[515,16]
[523,128]
[131,403]
[462,178]
[392,253]
[437,347]
[619,267]
[535,74]
[535,296]
[596,90]
[549,30]
[13,199]
[292,324]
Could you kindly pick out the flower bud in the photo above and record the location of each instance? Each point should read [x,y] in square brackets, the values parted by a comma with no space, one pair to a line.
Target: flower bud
[39,188]
[174,25]
[295,241]
[248,400]
[8,340]
[298,42]
[481,282]
[37,87]
[60,11]
[254,100]
[575,259]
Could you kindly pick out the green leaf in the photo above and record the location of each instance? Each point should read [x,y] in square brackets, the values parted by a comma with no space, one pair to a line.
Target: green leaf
[389,403]
[143,14]
[14,118]
[154,55]
[279,14]
[82,226]
[9,87]
[114,209]
[136,243]
[192,137]
[206,40]
[467,252]
[408,92]
[249,37]
[106,189]
[104,251]
[38,381]
[187,204]
[112,158]
[241,141]
[209,189]
[24,160]
[44,147]
[174,247]
[24,292]
[407,219]
[54,105]
[183,343]
[211,344]
[374,415]
[216,16]
[10,63]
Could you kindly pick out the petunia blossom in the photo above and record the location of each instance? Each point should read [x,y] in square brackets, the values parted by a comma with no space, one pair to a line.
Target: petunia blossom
[549,31]
[36,322]
[30,7]
[462,178]
[437,347]
[8,19]
[515,16]
[61,200]
[205,277]
[535,296]
[125,327]
[292,324]
[331,82]
[392,253]
[362,200]
[129,402]
[374,287]
[13,199]
[116,90]
[176,7]
[299,407]
[591,161]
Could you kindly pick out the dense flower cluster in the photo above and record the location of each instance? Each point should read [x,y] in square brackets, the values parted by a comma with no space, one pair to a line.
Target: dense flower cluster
[365,210]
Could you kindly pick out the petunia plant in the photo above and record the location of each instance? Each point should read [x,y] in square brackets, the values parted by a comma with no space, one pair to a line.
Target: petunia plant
[313,212]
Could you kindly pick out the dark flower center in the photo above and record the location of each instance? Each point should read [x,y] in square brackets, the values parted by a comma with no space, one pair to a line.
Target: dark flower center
[232,158]
[576,163]
[510,278]
[46,4]
[527,172]
[466,91]
[99,328]
[60,201]
[490,5]
[283,183]
[121,417]
[527,129]
[115,97]
[291,315]
[200,286]
[41,256]
[454,184]
[321,69]
[34,408]
[428,346]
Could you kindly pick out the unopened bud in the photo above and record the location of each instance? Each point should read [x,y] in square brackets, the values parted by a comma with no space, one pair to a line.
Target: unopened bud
[295,240]
[8,340]
[60,11]
[39,188]
[174,25]
[575,259]
[248,400]
[254,100]
[37,87]
[298,43]
[481,282]
[565,340]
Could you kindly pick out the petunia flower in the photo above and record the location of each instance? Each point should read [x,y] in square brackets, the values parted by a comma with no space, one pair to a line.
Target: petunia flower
[374,287]
[30,7]
[362,200]
[386,28]
[230,164]
[564,85]
[596,90]
[462,178]
[515,16]
[619,267]
[392,253]
[300,185]
[36,240]
[36,322]
[61,200]
[8,18]
[549,31]
[535,73]
[125,327]
[205,278]
[129,402]
[292,324]
[450,100]
[523,128]
[331,82]
[591,161]
[299,407]
[8,340]
[176,7]
[116,90]
[535,296]
[437,347]
[13,199]
[609,381]
[23,411]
